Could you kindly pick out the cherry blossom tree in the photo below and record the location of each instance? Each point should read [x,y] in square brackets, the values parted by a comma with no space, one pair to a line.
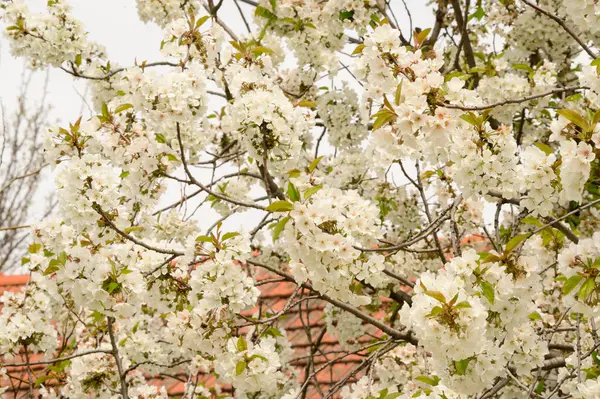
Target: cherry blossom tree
[368,154]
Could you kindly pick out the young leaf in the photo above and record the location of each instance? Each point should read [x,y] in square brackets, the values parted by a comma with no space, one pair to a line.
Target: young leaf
[160,138]
[571,283]
[512,244]
[307,104]
[311,190]
[293,193]
[574,117]
[263,12]
[544,147]
[470,118]
[346,15]
[463,305]
[398,96]
[421,36]
[382,120]
[488,291]
[359,49]
[240,367]
[201,21]
[122,108]
[313,165]
[436,295]
[433,381]
[229,235]
[259,50]
[461,366]
[280,206]
[204,239]
[586,289]
[595,358]
[242,345]
[279,226]
[105,113]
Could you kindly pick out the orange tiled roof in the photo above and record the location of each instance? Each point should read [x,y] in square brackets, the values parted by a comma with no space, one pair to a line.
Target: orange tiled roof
[304,324]
[299,321]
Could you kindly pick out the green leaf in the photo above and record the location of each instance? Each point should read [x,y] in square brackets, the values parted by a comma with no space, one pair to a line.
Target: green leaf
[421,36]
[344,15]
[311,190]
[43,378]
[112,286]
[204,239]
[544,147]
[240,367]
[78,60]
[540,387]
[596,118]
[293,173]
[479,13]
[586,289]
[313,165]
[124,174]
[133,229]
[62,258]
[387,103]
[571,283]
[463,305]
[436,295]
[263,12]
[398,96]
[123,107]
[523,67]
[229,235]
[201,21]
[461,366]
[160,138]
[242,345]
[435,311]
[470,118]
[105,111]
[54,267]
[279,226]
[595,358]
[382,120]
[392,395]
[33,248]
[259,50]
[574,117]
[307,104]
[532,220]
[512,244]
[257,356]
[292,192]
[491,258]
[273,332]
[488,291]
[433,381]
[280,206]
[535,316]
[359,49]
